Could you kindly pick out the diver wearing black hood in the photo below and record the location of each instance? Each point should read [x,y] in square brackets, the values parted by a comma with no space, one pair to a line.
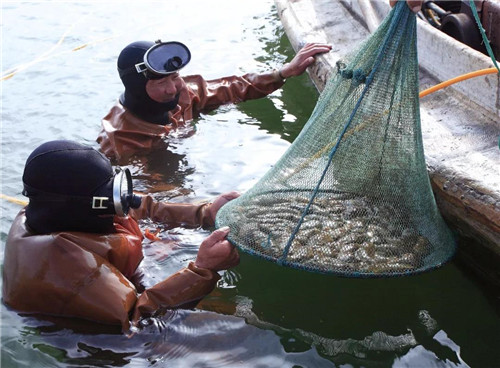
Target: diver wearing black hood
[73,250]
[73,187]
[135,97]
[158,100]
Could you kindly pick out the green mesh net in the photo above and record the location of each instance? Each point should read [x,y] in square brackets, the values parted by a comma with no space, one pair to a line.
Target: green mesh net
[351,196]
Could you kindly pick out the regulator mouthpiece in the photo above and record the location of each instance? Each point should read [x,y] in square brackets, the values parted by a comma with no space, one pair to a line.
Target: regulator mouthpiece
[123,197]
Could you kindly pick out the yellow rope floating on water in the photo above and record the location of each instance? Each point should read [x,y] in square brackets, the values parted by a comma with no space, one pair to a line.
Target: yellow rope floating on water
[14,200]
[48,54]
[10,73]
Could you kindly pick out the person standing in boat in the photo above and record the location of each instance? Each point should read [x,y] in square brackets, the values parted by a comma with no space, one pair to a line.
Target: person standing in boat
[73,249]
[157,99]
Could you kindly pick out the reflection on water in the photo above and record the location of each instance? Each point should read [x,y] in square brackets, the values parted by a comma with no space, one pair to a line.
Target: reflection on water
[260,315]
[180,339]
[434,347]
[366,322]
[192,338]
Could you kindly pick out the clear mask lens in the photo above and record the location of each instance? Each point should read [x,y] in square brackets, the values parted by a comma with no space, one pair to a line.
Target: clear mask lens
[164,58]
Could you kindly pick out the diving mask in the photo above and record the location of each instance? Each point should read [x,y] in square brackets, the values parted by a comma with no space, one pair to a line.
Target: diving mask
[163,58]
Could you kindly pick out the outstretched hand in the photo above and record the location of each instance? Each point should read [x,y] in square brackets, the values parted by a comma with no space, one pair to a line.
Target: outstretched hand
[216,253]
[414,5]
[221,201]
[303,59]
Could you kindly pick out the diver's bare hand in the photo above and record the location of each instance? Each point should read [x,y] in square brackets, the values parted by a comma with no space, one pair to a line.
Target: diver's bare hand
[303,59]
[216,253]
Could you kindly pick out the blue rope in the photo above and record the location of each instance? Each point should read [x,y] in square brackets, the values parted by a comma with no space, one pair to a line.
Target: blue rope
[401,12]
[483,34]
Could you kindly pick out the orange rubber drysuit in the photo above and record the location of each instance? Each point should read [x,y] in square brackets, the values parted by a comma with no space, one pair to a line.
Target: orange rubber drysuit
[124,134]
[85,275]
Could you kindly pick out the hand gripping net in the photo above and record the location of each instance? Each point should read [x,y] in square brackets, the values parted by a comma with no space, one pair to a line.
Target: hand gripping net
[351,196]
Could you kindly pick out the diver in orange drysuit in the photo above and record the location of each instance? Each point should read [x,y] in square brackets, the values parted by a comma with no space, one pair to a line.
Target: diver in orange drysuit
[157,99]
[72,250]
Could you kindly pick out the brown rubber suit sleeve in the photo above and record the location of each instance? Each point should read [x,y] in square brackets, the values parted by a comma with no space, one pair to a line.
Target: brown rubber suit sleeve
[187,285]
[208,95]
[176,214]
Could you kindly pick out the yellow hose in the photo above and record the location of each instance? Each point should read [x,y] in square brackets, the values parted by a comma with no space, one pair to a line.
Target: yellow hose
[460,78]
